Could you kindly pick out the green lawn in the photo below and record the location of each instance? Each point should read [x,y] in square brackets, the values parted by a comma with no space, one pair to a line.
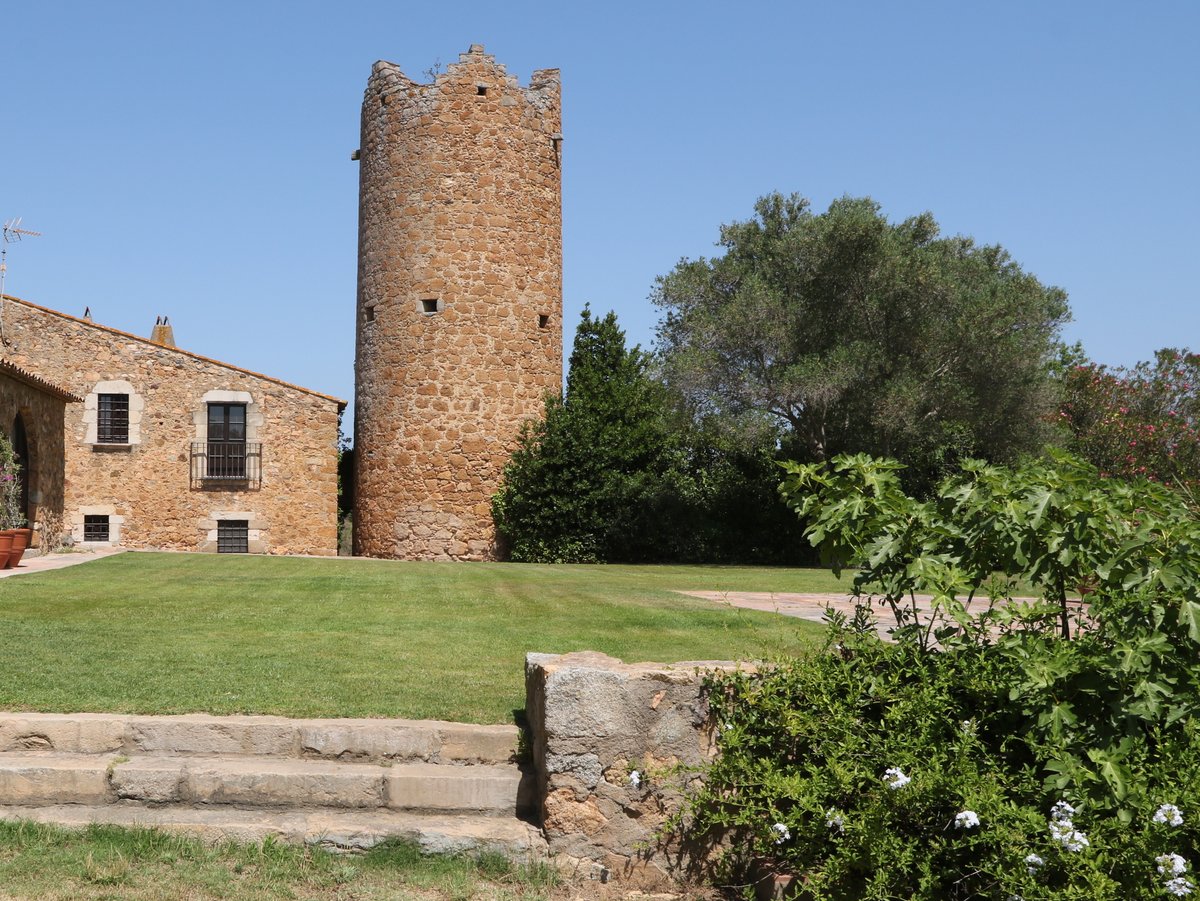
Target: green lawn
[175,633]
[103,863]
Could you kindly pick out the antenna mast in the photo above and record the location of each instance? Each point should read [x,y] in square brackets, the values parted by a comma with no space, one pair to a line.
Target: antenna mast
[12,232]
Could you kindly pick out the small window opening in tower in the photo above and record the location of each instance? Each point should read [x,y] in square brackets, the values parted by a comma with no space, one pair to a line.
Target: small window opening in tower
[429,305]
[543,321]
[481,90]
[370,312]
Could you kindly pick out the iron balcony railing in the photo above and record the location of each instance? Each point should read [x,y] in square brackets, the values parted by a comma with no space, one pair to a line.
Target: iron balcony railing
[227,463]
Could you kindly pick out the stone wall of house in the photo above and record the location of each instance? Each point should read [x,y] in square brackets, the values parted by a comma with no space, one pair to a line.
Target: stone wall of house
[459,331]
[595,721]
[42,414]
[145,486]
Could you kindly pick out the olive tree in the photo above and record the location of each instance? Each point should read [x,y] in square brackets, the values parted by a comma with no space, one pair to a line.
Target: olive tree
[862,335]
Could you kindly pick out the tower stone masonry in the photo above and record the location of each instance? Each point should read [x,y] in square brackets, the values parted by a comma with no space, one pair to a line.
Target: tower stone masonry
[459,313]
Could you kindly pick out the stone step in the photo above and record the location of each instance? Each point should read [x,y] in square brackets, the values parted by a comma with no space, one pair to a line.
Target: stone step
[335,829]
[45,777]
[370,740]
[54,779]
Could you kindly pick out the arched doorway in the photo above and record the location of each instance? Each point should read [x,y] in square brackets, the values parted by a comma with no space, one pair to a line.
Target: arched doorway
[20,442]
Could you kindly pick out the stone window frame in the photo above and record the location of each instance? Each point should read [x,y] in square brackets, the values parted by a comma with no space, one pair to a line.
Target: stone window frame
[254,416]
[112,422]
[256,529]
[114,524]
[91,527]
[226,541]
[91,414]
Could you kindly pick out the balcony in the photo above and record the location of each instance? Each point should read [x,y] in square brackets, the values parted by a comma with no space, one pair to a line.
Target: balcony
[229,465]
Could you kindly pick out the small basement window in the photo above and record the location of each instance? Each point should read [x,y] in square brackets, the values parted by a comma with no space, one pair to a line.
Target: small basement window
[233,536]
[429,306]
[95,528]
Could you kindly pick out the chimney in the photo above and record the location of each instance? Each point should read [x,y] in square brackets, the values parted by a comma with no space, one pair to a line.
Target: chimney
[163,333]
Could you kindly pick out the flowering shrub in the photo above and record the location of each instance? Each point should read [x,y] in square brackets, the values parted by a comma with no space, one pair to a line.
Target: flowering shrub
[1140,422]
[11,514]
[986,752]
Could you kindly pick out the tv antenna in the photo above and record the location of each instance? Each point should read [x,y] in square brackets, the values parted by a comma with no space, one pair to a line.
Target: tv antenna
[12,232]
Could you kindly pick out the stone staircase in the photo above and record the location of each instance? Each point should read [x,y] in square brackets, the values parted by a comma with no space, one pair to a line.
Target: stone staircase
[342,783]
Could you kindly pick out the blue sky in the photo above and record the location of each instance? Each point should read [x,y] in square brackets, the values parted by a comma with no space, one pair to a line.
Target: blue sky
[193,160]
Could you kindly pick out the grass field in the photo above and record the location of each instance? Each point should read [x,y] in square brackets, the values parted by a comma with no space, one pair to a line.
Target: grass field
[102,863]
[176,633]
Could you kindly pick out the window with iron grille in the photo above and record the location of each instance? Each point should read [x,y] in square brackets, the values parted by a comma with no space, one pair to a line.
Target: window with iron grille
[95,528]
[112,419]
[233,536]
[226,441]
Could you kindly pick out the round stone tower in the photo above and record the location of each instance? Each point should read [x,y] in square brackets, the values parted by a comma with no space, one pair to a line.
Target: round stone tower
[459,332]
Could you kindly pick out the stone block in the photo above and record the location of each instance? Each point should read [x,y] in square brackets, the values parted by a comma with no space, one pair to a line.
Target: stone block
[466,743]
[54,779]
[369,739]
[154,780]
[593,720]
[68,733]
[267,782]
[482,789]
[211,735]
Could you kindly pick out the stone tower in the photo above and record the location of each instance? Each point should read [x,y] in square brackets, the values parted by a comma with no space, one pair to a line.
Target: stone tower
[459,332]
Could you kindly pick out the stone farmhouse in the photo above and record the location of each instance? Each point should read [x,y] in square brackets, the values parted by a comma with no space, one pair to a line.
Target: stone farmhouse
[135,442]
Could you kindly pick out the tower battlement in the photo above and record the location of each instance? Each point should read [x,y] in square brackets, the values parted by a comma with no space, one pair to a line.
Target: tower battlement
[459,312]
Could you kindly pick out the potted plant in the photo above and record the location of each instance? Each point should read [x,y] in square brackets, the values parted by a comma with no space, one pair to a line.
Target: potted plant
[12,517]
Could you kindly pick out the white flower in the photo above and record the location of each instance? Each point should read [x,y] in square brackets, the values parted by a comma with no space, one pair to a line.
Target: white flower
[967,726]
[1033,863]
[966,819]
[1064,832]
[895,778]
[783,834]
[1178,886]
[1168,814]
[1075,842]
[1062,811]
[1171,864]
[635,779]
[834,820]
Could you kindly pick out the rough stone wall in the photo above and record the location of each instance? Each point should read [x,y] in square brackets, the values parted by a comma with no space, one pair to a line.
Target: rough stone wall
[459,333]
[594,721]
[145,487]
[43,415]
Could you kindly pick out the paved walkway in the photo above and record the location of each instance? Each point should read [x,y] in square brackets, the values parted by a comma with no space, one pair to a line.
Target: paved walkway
[44,562]
[809,607]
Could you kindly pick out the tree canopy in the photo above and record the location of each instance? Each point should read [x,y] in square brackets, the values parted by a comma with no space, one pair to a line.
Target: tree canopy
[865,336]
[561,496]
[1142,422]
[617,472]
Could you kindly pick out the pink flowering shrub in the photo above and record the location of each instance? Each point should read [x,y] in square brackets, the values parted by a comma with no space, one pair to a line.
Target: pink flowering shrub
[11,514]
[1142,422]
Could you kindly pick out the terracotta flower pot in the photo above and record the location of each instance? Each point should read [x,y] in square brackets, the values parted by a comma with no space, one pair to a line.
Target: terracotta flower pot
[20,543]
[6,544]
